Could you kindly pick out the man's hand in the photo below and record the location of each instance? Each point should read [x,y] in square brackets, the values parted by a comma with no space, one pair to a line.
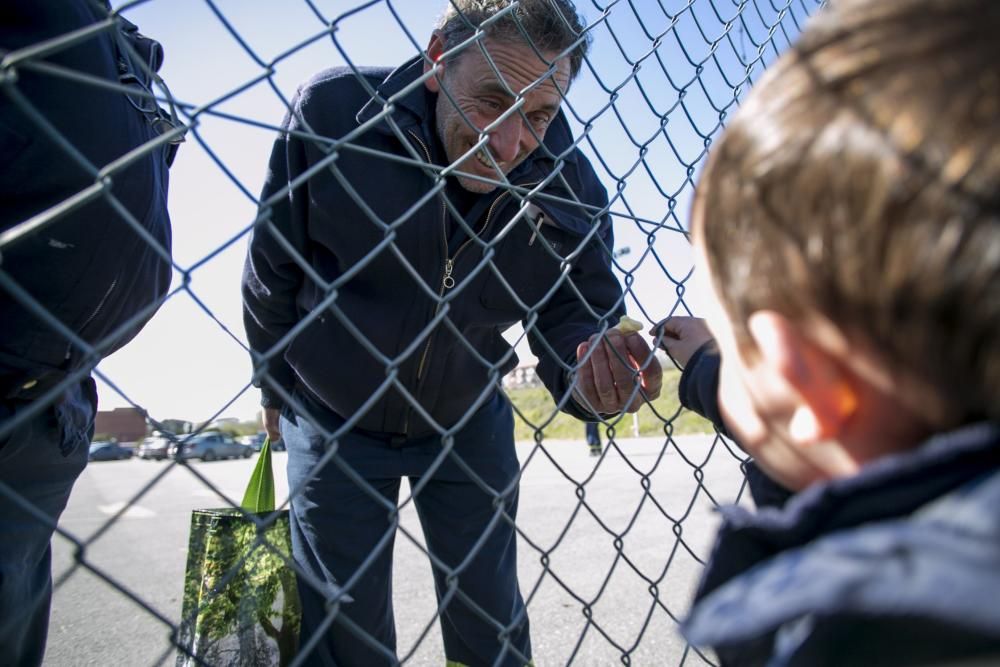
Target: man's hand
[680,337]
[272,418]
[605,384]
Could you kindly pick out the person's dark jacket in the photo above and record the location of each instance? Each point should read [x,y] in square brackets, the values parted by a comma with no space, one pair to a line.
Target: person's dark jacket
[698,391]
[361,328]
[89,267]
[897,565]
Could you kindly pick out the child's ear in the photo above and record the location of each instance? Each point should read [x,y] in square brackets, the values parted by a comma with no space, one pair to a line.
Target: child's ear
[824,392]
[435,49]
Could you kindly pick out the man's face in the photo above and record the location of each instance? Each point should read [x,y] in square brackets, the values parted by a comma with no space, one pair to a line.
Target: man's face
[479,98]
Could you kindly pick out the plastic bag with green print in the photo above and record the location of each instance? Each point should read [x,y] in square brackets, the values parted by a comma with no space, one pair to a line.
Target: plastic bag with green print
[241,606]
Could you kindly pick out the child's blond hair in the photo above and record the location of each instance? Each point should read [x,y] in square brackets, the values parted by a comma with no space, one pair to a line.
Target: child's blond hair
[861,181]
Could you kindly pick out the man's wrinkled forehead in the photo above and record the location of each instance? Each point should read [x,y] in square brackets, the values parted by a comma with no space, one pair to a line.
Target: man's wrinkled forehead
[521,67]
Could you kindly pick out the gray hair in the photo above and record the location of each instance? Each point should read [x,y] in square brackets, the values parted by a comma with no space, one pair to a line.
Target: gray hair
[552,26]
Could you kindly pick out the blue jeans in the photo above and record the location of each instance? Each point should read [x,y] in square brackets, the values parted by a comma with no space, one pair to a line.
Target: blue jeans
[39,462]
[343,533]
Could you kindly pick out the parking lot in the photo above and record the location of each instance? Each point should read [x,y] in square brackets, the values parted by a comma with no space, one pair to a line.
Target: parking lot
[132,519]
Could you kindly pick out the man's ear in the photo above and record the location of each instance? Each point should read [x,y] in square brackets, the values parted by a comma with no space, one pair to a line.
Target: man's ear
[825,392]
[435,50]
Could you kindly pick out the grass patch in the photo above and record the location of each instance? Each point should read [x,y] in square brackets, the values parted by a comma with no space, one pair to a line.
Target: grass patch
[534,409]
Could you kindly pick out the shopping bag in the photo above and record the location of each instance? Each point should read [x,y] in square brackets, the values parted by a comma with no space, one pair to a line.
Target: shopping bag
[241,606]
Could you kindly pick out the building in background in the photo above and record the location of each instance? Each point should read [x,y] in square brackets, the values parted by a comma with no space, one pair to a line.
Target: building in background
[122,424]
[522,376]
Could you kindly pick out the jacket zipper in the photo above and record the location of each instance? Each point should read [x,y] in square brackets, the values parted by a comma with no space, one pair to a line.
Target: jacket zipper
[449,265]
[447,280]
[97,311]
[427,346]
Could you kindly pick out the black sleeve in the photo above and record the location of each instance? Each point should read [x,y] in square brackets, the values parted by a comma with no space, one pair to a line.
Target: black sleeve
[699,385]
[273,274]
[699,392]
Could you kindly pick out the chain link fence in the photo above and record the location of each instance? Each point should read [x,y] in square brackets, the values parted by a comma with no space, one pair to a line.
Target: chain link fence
[609,546]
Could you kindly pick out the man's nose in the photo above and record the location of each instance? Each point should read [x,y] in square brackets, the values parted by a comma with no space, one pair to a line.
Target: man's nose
[508,138]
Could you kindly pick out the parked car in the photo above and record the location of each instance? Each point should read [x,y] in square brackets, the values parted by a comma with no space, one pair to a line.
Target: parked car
[101,450]
[155,447]
[209,447]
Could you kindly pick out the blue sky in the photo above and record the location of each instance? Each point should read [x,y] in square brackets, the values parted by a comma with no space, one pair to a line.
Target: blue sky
[662,75]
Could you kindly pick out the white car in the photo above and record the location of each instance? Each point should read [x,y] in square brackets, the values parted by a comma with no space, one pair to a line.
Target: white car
[255,441]
[156,447]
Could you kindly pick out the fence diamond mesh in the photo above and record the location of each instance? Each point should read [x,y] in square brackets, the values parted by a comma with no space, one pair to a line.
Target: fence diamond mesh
[611,537]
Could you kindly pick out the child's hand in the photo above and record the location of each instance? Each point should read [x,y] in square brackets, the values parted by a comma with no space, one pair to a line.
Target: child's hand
[680,337]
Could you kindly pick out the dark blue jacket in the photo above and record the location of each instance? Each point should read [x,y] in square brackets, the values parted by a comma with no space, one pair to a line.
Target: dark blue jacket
[89,268]
[361,328]
[897,565]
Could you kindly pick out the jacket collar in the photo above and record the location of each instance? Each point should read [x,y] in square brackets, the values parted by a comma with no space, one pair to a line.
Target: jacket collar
[834,541]
[410,100]
[408,96]
[892,486]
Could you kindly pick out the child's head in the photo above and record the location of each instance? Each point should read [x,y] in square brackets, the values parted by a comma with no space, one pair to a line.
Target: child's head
[849,219]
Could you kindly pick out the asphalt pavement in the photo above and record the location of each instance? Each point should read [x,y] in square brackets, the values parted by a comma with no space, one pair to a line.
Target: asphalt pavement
[608,555]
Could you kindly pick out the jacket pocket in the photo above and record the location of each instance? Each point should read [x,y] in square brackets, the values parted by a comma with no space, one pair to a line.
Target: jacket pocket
[75,416]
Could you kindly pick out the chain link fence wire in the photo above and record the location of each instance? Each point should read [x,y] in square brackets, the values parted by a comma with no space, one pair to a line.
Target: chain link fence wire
[610,546]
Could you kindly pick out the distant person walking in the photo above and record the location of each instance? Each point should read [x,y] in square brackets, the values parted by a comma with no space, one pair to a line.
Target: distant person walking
[593,438]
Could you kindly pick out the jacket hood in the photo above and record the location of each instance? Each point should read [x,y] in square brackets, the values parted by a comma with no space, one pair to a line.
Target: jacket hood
[403,89]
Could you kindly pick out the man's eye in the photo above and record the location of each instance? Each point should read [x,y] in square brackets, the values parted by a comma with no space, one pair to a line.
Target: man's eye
[490,105]
[540,121]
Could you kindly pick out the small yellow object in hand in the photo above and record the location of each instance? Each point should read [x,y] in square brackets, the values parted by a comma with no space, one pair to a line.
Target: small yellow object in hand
[627,325]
